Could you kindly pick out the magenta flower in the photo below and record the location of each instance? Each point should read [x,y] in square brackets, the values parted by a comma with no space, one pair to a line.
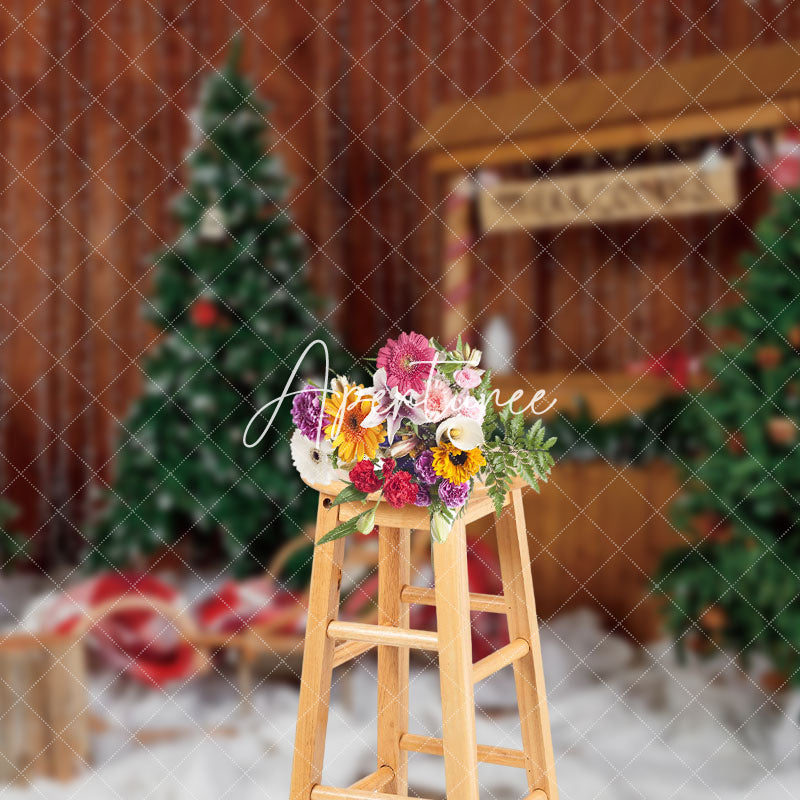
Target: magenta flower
[423,466]
[408,361]
[453,495]
[423,497]
[307,412]
[468,377]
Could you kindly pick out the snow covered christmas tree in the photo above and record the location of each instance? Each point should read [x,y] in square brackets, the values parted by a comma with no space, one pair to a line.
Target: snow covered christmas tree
[235,313]
[736,582]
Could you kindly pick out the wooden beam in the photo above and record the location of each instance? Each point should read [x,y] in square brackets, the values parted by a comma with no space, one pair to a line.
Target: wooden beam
[375,781]
[315,681]
[504,756]
[515,567]
[412,517]
[347,651]
[715,95]
[626,136]
[455,664]
[493,603]
[502,657]
[394,571]
[383,635]
[332,793]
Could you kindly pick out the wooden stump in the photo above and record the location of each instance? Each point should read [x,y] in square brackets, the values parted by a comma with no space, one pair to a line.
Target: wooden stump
[44,725]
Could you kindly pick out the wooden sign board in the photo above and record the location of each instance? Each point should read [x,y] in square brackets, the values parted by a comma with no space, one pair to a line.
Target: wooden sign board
[661,190]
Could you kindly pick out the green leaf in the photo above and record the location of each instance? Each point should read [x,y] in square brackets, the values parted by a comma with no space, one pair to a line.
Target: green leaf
[344,528]
[348,495]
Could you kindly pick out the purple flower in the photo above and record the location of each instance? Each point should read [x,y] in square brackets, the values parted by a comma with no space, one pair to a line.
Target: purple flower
[423,498]
[454,495]
[307,411]
[423,466]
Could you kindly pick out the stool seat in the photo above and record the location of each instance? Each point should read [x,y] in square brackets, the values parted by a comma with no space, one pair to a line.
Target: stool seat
[480,505]
[331,642]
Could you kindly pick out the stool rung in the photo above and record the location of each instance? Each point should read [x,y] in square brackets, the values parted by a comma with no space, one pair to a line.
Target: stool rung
[343,653]
[494,662]
[383,635]
[332,793]
[493,603]
[375,781]
[504,756]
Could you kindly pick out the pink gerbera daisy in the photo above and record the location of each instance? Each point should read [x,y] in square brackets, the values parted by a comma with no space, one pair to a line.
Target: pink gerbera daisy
[407,361]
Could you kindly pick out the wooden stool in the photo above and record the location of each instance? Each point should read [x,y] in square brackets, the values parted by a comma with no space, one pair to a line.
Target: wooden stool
[330,642]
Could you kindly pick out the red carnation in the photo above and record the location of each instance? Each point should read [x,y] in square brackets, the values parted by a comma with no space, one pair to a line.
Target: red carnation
[364,478]
[400,490]
[388,466]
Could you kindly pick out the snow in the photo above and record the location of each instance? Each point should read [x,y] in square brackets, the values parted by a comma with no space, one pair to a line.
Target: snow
[628,724]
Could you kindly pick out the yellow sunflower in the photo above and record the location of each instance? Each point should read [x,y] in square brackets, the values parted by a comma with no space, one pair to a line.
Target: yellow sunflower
[347,409]
[457,466]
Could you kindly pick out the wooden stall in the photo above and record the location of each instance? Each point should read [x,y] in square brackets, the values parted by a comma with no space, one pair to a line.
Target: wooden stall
[600,218]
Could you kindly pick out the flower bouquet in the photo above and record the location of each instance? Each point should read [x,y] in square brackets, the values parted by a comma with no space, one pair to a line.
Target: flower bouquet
[423,434]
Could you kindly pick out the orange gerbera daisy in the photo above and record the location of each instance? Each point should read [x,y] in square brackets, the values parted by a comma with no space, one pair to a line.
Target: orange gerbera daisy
[347,410]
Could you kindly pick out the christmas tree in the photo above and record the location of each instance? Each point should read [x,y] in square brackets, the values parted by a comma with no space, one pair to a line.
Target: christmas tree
[235,314]
[735,584]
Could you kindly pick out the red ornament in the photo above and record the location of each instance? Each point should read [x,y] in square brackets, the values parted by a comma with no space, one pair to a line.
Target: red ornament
[768,356]
[783,168]
[736,443]
[675,364]
[713,619]
[707,524]
[204,313]
[782,431]
[722,534]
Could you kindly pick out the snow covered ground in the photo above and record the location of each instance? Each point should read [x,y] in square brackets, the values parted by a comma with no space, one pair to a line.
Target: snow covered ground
[626,724]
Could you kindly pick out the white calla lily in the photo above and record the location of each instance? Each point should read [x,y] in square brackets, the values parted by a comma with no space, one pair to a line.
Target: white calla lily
[462,432]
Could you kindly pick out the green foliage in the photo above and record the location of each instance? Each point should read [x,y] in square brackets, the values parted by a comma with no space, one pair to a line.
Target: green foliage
[183,477]
[667,430]
[12,544]
[348,495]
[513,450]
[739,513]
[351,526]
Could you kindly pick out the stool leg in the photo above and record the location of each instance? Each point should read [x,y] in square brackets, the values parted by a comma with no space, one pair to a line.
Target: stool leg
[315,683]
[515,566]
[394,572]
[455,665]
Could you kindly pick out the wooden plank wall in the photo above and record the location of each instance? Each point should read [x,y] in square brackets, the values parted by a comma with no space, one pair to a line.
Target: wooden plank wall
[93,128]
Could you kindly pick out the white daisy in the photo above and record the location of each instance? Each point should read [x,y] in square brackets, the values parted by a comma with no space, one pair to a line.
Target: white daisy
[312,462]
